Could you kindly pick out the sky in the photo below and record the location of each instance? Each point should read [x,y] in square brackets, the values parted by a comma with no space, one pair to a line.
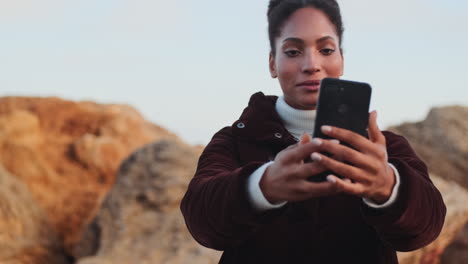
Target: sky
[191,66]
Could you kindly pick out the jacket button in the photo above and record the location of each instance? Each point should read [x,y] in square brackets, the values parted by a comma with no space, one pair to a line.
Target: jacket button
[240,125]
[278,135]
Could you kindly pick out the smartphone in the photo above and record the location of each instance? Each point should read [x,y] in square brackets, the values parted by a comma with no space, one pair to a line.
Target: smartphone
[343,104]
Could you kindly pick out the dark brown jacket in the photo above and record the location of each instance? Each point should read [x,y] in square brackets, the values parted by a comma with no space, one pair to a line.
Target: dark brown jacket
[337,229]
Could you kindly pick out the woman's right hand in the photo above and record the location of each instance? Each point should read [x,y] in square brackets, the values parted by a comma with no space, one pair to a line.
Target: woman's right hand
[286,178]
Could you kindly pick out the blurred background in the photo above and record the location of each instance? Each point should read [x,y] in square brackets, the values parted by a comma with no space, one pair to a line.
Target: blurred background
[191,66]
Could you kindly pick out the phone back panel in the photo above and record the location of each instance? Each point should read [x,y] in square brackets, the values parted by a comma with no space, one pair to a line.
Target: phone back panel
[343,104]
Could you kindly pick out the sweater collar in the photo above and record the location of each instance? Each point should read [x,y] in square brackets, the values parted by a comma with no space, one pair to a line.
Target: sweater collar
[296,121]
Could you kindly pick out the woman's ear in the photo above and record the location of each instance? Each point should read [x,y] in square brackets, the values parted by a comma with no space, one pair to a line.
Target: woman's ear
[271,62]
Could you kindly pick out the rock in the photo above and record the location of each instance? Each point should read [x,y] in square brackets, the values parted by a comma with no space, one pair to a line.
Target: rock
[455,198]
[441,141]
[67,153]
[457,252]
[26,236]
[140,220]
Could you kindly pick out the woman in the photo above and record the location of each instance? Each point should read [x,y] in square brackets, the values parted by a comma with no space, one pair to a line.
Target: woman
[250,196]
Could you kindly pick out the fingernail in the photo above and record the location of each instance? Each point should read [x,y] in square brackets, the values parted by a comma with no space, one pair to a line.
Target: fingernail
[315,156]
[317,142]
[347,180]
[335,141]
[331,179]
[326,129]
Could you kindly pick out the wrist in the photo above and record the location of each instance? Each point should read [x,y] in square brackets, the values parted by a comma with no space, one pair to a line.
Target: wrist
[264,187]
[384,195]
[380,198]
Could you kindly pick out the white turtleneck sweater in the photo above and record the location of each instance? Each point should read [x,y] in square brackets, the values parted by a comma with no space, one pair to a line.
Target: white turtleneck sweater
[298,122]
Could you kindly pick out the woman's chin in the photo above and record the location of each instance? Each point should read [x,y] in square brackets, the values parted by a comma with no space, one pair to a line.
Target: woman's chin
[310,102]
[308,106]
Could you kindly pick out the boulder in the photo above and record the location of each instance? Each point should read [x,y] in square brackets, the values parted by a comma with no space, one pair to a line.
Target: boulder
[140,220]
[455,198]
[441,141]
[457,252]
[67,154]
[26,236]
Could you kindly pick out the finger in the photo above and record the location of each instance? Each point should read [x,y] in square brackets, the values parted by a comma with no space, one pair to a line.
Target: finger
[300,153]
[305,138]
[344,153]
[375,135]
[346,186]
[340,168]
[356,140]
[309,169]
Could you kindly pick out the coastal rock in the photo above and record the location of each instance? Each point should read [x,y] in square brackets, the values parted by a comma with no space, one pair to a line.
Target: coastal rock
[140,220]
[25,235]
[67,154]
[441,141]
[457,252]
[455,198]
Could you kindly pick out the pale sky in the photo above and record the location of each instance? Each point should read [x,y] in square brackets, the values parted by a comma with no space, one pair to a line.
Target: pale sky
[191,66]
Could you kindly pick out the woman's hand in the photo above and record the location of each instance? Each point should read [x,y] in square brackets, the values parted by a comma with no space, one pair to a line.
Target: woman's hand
[286,178]
[369,174]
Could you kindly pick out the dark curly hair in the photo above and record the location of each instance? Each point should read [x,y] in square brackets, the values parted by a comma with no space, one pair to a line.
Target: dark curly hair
[280,10]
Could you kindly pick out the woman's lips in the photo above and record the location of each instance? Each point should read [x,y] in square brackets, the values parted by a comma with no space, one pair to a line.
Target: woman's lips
[312,86]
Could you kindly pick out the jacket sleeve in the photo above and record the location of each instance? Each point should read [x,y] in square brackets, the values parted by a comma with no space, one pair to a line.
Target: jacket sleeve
[216,209]
[417,216]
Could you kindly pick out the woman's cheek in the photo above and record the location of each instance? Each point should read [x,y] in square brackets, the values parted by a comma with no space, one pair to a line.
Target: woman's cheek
[287,75]
[337,67]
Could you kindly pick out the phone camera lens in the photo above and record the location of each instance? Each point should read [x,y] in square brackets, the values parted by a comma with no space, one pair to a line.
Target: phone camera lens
[342,109]
[341,89]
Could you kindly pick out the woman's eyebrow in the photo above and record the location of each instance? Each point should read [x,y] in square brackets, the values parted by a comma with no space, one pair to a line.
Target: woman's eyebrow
[301,41]
[297,40]
[322,39]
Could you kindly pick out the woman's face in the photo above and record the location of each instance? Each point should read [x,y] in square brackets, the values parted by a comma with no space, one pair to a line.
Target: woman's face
[307,51]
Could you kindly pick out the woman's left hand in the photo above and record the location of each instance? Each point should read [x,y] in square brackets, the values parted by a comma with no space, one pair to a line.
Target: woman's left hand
[369,175]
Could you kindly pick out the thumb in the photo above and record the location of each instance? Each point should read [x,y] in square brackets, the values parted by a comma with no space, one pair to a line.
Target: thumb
[374,132]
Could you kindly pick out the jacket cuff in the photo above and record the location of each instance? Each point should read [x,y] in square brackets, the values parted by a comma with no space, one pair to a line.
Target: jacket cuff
[393,196]
[255,194]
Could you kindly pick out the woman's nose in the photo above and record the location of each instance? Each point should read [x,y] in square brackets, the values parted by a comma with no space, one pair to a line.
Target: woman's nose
[311,63]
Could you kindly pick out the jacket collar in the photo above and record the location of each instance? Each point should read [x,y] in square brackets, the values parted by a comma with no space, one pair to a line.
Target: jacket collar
[260,122]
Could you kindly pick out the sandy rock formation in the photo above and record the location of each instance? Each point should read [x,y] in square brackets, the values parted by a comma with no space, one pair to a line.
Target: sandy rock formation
[67,153]
[457,252]
[455,198]
[25,234]
[140,220]
[441,140]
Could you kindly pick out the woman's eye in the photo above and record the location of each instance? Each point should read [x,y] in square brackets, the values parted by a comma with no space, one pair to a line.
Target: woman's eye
[327,51]
[292,53]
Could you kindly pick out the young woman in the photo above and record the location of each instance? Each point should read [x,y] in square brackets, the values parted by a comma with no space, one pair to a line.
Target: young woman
[250,196]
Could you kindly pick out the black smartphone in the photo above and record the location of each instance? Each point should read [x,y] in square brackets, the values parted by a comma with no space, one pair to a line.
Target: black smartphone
[343,104]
